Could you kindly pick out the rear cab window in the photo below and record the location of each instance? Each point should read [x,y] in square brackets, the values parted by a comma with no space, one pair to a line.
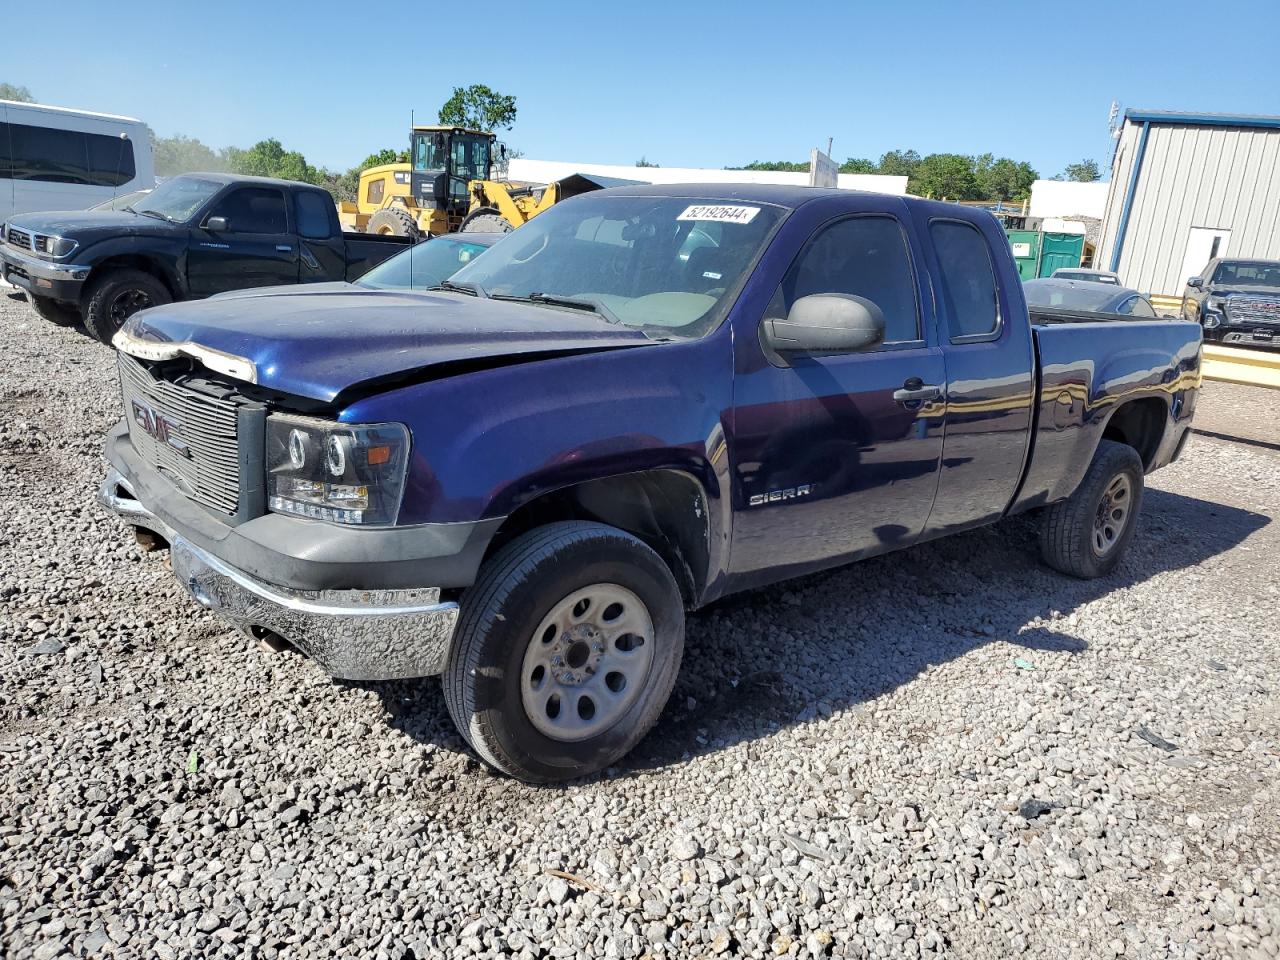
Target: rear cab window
[315,215]
[966,281]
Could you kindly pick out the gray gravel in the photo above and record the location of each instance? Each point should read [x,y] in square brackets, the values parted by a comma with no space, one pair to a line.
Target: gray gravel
[948,752]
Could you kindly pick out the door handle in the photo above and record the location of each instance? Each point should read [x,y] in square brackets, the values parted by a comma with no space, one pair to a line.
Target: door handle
[283,248]
[915,391]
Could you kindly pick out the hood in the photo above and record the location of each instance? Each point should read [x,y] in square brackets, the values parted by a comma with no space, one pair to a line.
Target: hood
[318,341]
[89,225]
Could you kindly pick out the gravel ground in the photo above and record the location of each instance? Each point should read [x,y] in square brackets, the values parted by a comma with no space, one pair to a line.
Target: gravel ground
[947,752]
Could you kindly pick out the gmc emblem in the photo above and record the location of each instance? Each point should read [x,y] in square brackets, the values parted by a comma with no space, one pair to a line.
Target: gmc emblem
[161,428]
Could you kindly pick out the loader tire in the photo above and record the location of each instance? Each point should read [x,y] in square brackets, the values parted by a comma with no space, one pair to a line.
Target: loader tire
[395,222]
[485,220]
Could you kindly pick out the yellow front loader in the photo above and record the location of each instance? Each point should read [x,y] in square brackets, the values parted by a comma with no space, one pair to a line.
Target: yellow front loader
[449,186]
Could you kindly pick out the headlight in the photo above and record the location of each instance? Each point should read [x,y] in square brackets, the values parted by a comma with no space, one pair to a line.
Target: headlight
[59,246]
[341,472]
[1215,303]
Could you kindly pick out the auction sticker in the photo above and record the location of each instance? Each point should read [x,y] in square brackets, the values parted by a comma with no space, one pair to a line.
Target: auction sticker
[719,213]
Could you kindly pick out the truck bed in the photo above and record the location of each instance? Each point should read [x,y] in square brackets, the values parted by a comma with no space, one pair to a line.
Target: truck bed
[1076,392]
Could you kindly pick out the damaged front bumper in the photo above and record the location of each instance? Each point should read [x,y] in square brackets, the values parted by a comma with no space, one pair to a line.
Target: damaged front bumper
[375,634]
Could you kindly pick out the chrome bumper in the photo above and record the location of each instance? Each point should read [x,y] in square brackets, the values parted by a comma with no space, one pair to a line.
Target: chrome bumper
[38,269]
[352,634]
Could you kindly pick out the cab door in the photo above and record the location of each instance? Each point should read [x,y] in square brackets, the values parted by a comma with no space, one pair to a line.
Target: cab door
[253,247]
[837,456]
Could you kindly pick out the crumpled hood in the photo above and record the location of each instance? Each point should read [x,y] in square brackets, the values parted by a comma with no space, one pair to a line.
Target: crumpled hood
[317,341]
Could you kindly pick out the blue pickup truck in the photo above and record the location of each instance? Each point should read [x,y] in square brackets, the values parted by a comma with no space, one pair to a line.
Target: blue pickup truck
[645,399]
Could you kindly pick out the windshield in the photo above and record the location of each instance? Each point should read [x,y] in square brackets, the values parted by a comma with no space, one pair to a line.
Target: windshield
[423,265]
[178,199]
[1071,295]
[668,265]
[1249,274]
[122,201]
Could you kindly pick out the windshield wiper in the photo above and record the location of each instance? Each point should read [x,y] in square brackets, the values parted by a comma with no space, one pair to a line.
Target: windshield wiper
[463,286]
[573,303]
[155,215]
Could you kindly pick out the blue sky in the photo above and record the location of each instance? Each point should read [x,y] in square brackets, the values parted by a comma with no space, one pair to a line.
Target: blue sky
[683,84]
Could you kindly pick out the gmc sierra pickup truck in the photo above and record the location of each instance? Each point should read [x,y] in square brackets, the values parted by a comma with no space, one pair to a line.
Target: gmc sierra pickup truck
[644,399]
[1236,301]
[192,236]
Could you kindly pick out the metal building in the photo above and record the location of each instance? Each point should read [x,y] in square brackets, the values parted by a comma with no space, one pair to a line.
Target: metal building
[1186,187]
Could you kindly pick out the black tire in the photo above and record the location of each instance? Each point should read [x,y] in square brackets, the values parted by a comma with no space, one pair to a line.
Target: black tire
[115,296]
[520,586]
[1074,538]
[485,220]
[396,221]
[56,312]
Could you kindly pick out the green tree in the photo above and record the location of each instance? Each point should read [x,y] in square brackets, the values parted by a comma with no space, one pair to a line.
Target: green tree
[1086,171]
[786,166]
[1004,179]
[387,155]
[642,162]
[268,158]
[899,163]
[479,108]
[11,91]
[949,175]
[182,154]
[859,165]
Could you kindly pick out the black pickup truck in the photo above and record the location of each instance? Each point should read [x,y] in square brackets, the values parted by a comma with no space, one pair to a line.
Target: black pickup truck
[191,237]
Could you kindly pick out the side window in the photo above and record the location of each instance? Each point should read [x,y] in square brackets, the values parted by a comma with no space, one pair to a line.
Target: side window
[863,256]
[49,155]
[967,281]
[1140,308]
[253,210]
[110,160]
[313,215]
[5,172]
[373,193]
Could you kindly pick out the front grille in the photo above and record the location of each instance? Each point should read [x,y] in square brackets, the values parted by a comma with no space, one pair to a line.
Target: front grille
[19,238]
[1249,309]
[189,437]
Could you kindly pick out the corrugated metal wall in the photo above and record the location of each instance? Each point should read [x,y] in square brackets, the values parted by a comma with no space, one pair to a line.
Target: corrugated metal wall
[1192,176]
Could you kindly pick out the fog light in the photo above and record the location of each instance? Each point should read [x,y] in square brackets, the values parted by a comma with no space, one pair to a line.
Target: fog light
[1212,320]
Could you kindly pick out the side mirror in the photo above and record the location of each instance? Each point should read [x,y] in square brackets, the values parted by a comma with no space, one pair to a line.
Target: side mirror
[1196,282]
[216,224]
[827,323]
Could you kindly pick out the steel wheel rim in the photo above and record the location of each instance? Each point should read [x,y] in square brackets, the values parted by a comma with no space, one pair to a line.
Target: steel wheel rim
[1112,515]
[587,662]
[126,303]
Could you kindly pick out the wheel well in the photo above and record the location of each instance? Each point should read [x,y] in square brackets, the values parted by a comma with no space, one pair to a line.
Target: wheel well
[1140,424]
[135,262]
[667,509]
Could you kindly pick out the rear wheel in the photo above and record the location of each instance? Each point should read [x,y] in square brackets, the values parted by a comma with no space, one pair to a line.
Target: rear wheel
[566,651]
[485,220]
[394,222]
[114,297]
[1087,534]
[62,314]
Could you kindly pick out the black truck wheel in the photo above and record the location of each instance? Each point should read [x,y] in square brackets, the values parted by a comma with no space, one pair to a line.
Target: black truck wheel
[566,651]
[1087,534]
[117,295]
[485,220]
[395,222]
[56,312]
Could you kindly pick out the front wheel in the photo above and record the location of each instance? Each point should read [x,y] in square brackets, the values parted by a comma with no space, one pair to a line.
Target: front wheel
[485,220]
[1087,534]
[114,297]
[566,651]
